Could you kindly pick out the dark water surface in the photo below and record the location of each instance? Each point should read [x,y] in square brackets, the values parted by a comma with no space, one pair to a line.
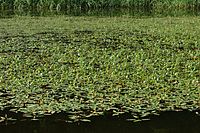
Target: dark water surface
[168,122]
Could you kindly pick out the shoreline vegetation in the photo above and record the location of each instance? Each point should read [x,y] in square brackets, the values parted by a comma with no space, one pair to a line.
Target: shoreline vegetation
[86,66]
[98,4]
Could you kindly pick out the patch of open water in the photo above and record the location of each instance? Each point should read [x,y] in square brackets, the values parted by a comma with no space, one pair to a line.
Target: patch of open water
[166,122]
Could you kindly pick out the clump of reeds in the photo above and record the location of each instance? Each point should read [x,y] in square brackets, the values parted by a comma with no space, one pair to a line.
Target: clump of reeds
[94,4]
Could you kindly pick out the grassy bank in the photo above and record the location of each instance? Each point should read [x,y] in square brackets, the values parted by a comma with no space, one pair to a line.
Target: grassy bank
[140,66]
[96,4]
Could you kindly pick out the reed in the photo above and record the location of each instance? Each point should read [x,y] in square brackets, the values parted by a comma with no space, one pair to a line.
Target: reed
[93,4]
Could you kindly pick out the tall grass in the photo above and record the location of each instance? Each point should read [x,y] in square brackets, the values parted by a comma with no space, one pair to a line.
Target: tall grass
[93,4]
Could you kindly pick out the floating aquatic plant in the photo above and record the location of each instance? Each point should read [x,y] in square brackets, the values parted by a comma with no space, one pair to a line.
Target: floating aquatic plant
[87,66]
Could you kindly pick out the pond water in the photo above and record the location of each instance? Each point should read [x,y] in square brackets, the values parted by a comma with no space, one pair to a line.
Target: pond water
[167,122]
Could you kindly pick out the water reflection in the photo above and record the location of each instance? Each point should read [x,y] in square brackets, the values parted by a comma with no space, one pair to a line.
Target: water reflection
[168,122]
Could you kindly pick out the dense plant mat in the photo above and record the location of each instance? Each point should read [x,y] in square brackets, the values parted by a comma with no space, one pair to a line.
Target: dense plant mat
[86,66]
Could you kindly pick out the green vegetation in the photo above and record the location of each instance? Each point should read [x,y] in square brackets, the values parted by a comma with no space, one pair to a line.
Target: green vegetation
[86,66]
[94,4]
